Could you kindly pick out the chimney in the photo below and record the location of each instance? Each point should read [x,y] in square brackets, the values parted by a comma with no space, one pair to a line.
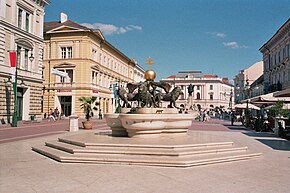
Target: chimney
[63,17]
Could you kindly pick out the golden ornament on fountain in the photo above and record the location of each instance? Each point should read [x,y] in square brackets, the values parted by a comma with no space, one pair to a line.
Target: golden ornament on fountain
[150,75]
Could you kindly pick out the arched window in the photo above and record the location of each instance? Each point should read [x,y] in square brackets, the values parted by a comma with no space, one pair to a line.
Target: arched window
[198,95]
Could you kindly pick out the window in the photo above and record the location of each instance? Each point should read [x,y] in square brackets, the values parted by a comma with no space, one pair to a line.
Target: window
[70,75]
[211,97]
[69,52]
[197,87]
[27,22]
[210,87]
[66,52]
[94,54]
[63,53]
[198,96]
[20,18]
[26,59]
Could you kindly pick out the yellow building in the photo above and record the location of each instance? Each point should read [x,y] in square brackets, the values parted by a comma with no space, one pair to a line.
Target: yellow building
[92,64]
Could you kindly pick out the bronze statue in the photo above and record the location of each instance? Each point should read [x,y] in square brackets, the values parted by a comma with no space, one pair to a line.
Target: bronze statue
[146,93]
[190,89]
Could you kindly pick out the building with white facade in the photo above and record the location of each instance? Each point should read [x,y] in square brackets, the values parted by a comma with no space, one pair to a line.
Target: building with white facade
[276,57]
[209,91]
[21,30]
[138,73]
[244,80]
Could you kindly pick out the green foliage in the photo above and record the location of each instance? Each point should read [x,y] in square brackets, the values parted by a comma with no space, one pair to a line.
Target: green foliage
[89,104]
[278,111]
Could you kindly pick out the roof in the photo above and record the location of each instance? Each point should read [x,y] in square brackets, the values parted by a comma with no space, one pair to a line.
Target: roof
[210,76]
[55,24]
[48,26]
[286,23]
[172,76]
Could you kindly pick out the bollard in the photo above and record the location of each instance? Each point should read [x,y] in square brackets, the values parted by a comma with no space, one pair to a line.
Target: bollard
[73,123]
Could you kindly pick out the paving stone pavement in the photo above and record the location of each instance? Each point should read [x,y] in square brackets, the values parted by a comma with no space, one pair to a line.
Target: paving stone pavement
[25,171]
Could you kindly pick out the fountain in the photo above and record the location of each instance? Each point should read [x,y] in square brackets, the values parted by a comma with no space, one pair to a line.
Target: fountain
[147,134]
[149,119]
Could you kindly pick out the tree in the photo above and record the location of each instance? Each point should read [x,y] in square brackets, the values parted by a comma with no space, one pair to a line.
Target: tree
[277,110]
[89,104]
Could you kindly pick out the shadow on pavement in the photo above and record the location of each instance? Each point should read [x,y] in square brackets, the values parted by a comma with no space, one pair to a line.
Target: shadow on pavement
[275,143]
[236,127]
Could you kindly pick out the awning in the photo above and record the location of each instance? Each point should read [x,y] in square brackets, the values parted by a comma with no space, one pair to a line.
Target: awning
[244,106]
[282,93]
[285,106]
[267,99]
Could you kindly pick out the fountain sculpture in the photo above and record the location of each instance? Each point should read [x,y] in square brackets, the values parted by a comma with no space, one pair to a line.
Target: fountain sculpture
[149,118]
[170,146]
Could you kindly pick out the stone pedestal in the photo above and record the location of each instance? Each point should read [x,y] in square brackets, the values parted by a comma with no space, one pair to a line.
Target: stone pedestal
[115,123]
[73,123]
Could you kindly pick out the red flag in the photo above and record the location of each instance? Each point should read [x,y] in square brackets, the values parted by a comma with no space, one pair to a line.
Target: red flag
[12,59]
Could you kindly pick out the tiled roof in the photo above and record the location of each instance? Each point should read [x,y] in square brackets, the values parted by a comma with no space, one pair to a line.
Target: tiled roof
[172,76]
[210,76]
[55,24]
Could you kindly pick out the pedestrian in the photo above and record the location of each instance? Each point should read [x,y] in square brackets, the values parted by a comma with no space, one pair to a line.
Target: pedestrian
[232,118]
[51,115]
[100,114]
[56,113]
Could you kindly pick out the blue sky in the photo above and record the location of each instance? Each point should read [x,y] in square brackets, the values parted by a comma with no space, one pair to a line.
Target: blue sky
[218,37]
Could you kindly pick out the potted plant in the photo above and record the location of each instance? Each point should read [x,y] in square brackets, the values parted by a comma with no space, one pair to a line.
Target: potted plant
[89,104]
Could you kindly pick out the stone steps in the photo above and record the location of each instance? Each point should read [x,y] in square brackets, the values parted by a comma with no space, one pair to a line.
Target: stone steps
[175,151]
[181,152]
[173,161]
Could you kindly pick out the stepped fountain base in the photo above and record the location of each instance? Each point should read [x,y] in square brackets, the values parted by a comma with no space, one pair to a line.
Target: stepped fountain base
[170,151]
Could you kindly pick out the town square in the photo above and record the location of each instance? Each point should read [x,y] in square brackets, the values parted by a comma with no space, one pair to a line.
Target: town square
[144,96]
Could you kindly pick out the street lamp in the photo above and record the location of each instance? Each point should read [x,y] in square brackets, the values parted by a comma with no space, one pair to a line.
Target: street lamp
[247,107]
[31,58]
[231,99]
[114,86]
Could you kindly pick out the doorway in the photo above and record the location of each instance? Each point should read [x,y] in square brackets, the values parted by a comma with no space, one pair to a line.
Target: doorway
[19,103]
[65,102]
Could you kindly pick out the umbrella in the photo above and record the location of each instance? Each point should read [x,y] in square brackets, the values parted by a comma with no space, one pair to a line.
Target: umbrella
[244,106]
[285,106]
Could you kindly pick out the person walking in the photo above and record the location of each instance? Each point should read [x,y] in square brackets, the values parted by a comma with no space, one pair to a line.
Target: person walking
[100,114]
[56,113]
[51,115]
[233,117]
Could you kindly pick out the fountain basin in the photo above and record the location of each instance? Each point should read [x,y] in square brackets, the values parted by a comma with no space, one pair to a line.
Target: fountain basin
[152,125]
[115,123]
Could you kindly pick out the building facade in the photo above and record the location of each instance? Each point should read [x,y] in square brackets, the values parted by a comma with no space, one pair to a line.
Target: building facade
[276,57]
[21,31]
[245,79]
[209,91]
[139,73]
[92,64]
